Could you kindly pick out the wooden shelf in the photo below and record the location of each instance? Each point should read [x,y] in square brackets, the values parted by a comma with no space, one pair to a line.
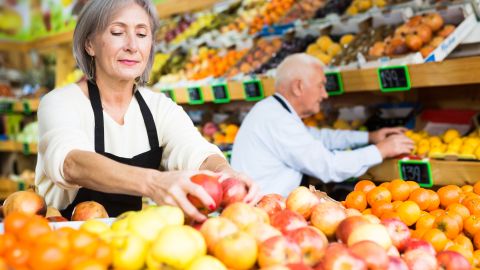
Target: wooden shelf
[13,146]
[170,7]
[20,106]
[42,43]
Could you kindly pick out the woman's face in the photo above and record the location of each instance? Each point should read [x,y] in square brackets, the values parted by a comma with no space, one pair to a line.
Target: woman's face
[121,51]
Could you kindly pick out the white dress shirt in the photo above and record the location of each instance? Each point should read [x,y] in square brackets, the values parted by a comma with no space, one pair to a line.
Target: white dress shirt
[66,123]
[275,148]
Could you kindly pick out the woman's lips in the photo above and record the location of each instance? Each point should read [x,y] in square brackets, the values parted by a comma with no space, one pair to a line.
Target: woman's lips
[128,62]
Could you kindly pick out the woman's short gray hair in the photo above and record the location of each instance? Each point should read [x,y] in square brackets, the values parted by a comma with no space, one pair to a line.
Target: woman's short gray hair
[94,18]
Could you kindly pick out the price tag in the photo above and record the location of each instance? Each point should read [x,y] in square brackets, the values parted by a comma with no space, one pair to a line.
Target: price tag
[26,149]
[253,90]
[26,107]
[220,93]
[195,95]
[6,107]
[395,78]
[416,170]
[169,93]
[334,84]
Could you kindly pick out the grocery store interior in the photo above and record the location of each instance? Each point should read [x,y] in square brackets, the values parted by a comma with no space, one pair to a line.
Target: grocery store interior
[388,63]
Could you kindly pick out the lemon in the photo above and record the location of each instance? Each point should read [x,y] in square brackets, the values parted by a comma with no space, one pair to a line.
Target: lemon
[450,135]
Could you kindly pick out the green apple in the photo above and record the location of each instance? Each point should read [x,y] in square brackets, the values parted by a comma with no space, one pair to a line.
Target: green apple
[170,215]
[129,252]
[206,262]
[177,246]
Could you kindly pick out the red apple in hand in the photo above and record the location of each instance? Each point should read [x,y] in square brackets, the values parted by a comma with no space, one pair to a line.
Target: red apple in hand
[451,260]
[272,203]
[372,253]
[347,225]
[278,250]
[287,220]
[338,257]
[212,187]
[312,243]
[233,191]
[396,263]
[398,231]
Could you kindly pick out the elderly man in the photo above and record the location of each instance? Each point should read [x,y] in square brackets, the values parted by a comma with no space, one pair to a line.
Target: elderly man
[276,149]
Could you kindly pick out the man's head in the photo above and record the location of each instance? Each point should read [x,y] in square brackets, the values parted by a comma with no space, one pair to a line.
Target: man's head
[300,79]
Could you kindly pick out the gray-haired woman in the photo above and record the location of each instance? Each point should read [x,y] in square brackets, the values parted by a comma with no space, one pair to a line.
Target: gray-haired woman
[105,138]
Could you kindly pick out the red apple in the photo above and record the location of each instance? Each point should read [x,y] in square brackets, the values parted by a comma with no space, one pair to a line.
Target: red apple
[452,260]
[287,220]
[347,225]
[373,254]
[243,214]
[214,229]
[338,257]
[272,203]
[237,251]
[56,219]
[396,263]
[27,202]
[88,210]
[233,191]
[212,187]
[327,216]
[302,201]
[312,243]
[420,260]
[278,250]
[393,252]
[414,244]
[290,266]
[261,231]
[373,232]
[398,231]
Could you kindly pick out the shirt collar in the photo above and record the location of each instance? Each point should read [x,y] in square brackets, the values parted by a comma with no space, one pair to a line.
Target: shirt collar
[292,111]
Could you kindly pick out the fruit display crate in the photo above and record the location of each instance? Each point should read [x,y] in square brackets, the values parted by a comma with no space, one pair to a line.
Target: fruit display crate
[443,172]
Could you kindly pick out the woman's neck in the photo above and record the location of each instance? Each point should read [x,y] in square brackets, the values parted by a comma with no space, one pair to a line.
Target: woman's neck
[115,92]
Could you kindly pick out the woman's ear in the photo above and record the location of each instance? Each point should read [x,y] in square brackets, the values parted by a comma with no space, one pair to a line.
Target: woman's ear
[89,47]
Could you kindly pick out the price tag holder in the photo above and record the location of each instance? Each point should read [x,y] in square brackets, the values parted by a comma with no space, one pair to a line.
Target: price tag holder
[221,94]
[394,79]
[334,84]
[170,93]
[26,149]
[195,95]
[253,90]
[416,170]
[26,107]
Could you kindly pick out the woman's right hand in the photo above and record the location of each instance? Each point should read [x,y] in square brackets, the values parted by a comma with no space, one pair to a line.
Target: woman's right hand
[173,187]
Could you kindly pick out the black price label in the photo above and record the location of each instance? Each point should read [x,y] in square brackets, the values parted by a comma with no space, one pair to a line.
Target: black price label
[220,93]
[415,170]
[392,79]
[334,85]
[170,93]
[253,90]
[195,95]
[26,107]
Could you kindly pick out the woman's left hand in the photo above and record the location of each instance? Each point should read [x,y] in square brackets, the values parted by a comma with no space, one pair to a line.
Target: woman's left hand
[253,195]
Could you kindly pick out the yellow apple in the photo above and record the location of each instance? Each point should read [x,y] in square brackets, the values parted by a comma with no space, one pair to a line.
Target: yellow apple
[129,252]
[242,214]
[146,224]
[206,262]
[170,215]
[95,226]
[237,251]
[215,229]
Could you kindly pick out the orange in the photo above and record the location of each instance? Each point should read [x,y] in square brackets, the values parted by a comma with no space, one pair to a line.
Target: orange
[473,205]
[3,264]
[33,228]
[418,234]
[399,189]
[49,257]
[448,195]
[459,209]
[88,264]
[435,237]
[448,225]
[467,188]
[457,218]
[437,213]
[413,185]
[385,184]
[367,211]
[464,241]
[476,188]
[381,207]
[476,240]
[476,258]
[434,200]
[469,195]
[471,225]
[378,194]
[7,242]
[14,222]
[17,257]
[465,252]
[356,200]
[390,215]
[83,243]
[409,212]
[421,197]
[104,254]
[425,222]
[396,204]
[54,239]
[364,185]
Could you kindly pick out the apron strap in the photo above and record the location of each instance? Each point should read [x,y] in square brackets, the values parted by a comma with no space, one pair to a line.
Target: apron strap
[96,103]
[149,122]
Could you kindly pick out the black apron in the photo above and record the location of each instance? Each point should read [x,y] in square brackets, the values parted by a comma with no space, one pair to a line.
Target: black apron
[116,204]
[305,178]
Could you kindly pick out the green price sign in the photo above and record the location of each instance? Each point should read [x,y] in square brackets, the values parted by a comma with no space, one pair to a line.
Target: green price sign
[394,78]
[169,93]
[195,95]
[334,84]
[416,170]
[221,93]
[253,90]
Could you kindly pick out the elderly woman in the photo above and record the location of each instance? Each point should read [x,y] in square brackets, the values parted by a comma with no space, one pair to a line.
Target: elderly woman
[106,138]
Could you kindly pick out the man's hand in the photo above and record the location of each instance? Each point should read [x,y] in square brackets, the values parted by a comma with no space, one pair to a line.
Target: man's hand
[395,145]
[375,137]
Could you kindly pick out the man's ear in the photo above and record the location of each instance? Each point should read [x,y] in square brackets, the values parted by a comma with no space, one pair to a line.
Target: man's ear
[297,87]
[89,47]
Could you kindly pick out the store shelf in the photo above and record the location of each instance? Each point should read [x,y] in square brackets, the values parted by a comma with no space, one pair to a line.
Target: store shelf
[170,7]
[45,42]
[19,106]
[443,172]
[13,146]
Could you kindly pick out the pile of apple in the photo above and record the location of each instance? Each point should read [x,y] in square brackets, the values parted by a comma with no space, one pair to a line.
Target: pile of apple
[219,134]
[422,33]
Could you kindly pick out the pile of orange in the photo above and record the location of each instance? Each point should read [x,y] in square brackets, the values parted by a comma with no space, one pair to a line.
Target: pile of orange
[448,218]
[29,243]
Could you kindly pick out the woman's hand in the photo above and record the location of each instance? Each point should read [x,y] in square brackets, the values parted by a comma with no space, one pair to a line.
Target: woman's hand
[173,187]
[253,195]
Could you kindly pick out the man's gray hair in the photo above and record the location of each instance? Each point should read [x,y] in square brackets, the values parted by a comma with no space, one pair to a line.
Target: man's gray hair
[295,66]
[95,18]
